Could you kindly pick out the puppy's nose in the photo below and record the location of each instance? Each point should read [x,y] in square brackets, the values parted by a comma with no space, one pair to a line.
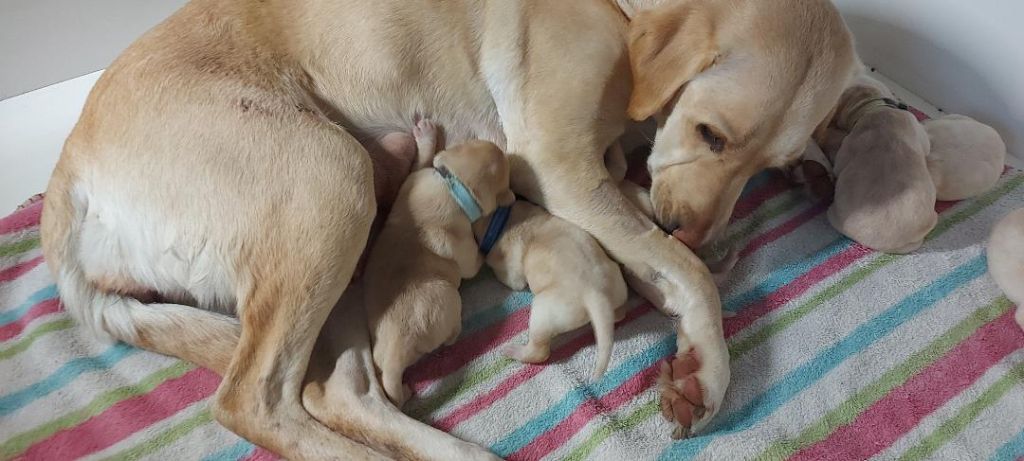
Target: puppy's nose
[690,236]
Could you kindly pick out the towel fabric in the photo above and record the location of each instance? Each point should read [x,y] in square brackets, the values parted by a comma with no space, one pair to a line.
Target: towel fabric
[838,352]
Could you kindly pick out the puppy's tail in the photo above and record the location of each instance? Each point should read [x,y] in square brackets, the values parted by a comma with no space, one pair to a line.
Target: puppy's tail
[189,333]
[602,319]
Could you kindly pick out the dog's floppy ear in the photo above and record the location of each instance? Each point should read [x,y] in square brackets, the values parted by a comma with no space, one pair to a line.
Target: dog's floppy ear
[668,46]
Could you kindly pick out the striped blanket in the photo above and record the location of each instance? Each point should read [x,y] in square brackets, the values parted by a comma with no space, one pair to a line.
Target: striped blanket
[838,352]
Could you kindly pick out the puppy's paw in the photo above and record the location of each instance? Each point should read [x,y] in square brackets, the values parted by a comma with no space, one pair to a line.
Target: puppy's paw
[524,353]
[684,397]
[425,131]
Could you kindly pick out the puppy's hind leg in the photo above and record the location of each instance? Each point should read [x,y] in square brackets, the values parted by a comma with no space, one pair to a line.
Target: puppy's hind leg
[543,327]
[425,133]
[391,380]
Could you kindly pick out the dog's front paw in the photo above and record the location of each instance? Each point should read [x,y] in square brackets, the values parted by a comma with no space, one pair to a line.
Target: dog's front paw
[685,397]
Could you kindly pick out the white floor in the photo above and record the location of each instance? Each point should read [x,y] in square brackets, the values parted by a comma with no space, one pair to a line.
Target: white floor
[33,127]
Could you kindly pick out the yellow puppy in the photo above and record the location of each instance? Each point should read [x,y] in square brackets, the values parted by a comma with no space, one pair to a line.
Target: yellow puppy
[425,250]
[884,195]
[1006,259]
[572,279]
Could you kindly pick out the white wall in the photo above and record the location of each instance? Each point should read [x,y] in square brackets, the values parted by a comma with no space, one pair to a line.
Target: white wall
[964,56]
[43,42]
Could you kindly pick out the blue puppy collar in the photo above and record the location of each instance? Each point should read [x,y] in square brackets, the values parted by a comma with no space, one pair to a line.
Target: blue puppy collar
[494,229]
[461,194]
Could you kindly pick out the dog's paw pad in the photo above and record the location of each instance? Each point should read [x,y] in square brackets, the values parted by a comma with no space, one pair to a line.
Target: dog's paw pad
[682,395]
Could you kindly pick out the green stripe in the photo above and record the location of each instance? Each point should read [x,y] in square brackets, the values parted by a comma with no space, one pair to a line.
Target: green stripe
[164,438]
[635,418]
[22,246]
[474,378]
[27,340]
[849,410]
[968,414]
[776,207]
[767,212]
[22,441]
[792,316]
[943,226]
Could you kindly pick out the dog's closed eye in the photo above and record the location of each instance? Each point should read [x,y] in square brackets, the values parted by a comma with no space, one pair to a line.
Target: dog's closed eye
[714,141]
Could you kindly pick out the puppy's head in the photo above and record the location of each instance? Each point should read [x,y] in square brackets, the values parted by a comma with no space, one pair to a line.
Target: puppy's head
[736,87]
[483,169]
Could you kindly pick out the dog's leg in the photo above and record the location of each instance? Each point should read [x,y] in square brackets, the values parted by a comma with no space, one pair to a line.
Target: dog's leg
[543,327]
[557,129]
[425,134]
[343,391]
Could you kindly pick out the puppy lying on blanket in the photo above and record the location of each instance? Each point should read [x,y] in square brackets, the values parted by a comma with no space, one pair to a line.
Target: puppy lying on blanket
[884,195]
[967,157]
[1006,259]
[572,278]
[425,250]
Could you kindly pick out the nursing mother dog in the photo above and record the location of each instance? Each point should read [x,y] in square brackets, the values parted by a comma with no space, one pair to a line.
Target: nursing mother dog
[215,196]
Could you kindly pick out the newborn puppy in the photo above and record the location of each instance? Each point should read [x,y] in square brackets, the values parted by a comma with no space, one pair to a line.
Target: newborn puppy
[425,250]
[967,157]
[1006,259]
[884,196]
[572,279]
[394,156]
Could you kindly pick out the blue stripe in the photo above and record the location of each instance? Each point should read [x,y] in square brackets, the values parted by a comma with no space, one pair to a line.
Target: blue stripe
[16,313]
[489,316]
[525,434]
[561,410]
[235,452]
[756,182]
[1012,450]
[64,375]
[784,275]
[810,372]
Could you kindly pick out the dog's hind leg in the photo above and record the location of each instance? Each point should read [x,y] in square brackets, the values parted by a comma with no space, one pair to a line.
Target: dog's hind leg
[343,391]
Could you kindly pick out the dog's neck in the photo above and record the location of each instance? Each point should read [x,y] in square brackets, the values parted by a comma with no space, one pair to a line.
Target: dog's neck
[630,8]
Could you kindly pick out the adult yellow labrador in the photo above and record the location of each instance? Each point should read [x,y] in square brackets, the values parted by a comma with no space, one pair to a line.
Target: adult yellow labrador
[225,164]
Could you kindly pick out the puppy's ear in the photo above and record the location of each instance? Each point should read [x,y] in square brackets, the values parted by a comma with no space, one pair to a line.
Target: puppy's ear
[506,198]
[668,46]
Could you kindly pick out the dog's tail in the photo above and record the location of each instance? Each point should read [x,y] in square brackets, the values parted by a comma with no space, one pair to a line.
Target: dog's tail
[186,332]
[602,319]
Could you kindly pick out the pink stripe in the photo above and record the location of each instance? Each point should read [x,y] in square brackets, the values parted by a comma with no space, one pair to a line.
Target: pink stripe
[15,328]
[525,373]
[127,417]
[903,408]
[748,315]
[567,428]
[19,269]
[260,454]
[773,301]
[447,360]
[22,219]
[746,205]
[783,229]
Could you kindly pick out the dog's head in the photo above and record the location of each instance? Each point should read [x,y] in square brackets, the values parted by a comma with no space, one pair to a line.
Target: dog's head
[736,87]
[483,169]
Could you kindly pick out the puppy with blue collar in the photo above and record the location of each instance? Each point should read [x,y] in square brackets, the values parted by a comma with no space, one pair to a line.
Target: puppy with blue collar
[425,249]
[573,280]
